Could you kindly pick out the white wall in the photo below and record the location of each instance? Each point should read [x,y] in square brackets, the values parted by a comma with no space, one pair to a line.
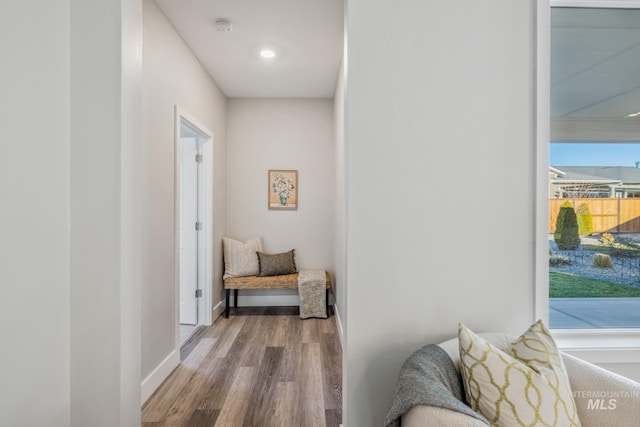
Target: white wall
[340,244]
[439,117]
[172,75]
[282,134]
[69,254]
[105,222]
[34,217]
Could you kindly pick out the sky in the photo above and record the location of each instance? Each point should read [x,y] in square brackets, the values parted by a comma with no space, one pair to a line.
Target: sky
[594,154]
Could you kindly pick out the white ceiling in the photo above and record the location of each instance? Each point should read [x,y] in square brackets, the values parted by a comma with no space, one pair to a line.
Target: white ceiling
[595,53]
[595,62]
[307,36]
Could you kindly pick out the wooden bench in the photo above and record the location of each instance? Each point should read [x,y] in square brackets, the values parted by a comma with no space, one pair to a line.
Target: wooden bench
[287,281]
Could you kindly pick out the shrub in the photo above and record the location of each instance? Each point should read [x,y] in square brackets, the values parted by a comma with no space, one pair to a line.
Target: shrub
[550,251]
[607,239]
[559,260]
[560,219]
[567,238]
[585,224]
[602,261]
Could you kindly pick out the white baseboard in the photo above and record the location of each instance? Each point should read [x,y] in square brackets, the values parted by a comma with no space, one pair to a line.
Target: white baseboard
[266,297]
[218,309]
[159,374]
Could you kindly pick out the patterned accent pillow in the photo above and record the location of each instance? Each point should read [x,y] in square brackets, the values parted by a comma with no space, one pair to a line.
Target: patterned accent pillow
[525,385]
[274,265]
[240,257]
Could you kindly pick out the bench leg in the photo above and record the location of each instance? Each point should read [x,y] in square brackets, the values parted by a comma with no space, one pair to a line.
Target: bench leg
[235,298]
[226,309]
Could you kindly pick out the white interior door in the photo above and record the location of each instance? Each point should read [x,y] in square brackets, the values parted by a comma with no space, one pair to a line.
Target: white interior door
[188,231]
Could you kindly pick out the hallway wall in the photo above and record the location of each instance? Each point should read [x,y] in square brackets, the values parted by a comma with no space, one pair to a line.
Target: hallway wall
[172,75]
[432,126]
[34,217]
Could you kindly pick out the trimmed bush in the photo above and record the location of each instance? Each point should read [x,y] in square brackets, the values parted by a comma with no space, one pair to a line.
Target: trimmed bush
[585,224]
[566,235]
[559,261]
[607,239]
[560,219]
[602,261]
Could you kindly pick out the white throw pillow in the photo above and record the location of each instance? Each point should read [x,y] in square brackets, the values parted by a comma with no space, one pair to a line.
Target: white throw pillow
[525,385]
[241,258]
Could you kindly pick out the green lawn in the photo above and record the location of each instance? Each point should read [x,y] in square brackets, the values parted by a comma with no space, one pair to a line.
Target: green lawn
[563,285]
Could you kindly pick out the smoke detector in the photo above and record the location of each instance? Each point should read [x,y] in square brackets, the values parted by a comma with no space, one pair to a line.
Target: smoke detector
[223,25]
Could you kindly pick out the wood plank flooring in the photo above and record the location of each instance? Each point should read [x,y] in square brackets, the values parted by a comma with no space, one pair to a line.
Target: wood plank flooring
[262,367]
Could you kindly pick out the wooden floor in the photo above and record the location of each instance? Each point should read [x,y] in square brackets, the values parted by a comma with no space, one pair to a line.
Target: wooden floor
[263,366]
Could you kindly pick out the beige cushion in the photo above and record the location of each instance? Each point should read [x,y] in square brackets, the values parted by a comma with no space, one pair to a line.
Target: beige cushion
[240,258]
[526,384]
[434,416]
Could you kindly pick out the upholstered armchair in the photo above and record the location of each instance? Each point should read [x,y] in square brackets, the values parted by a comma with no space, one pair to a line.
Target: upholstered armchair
[602,398]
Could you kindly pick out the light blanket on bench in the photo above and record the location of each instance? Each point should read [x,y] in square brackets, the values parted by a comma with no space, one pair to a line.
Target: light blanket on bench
[312,285]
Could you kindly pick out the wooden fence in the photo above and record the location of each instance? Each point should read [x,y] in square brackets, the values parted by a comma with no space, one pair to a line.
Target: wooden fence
[607,215]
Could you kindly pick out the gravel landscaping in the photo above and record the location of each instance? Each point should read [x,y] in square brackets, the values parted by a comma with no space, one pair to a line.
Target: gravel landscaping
[625,271]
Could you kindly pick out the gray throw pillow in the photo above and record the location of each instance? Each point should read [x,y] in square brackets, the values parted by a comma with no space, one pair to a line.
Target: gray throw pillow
[276,264]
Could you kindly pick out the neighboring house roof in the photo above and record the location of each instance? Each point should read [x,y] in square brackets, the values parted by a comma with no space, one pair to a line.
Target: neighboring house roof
[612,174]
[556,171]
[583,179]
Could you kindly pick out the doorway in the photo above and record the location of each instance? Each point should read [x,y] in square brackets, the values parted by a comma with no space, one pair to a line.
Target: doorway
[193,231]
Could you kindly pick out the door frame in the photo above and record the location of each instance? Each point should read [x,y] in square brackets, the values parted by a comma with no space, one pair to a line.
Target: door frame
[205,242]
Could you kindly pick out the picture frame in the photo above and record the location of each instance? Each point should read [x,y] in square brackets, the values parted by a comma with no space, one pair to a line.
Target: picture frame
[283,189]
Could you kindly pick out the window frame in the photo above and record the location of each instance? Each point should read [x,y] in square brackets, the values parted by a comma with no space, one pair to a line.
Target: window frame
[595,345]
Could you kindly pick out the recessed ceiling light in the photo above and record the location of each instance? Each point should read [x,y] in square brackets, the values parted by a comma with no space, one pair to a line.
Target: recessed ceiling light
[267,54]
[223,25]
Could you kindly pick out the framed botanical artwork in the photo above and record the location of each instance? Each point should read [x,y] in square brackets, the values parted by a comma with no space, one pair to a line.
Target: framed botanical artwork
[283,189]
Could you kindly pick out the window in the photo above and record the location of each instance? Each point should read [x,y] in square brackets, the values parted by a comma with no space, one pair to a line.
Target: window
[594,169]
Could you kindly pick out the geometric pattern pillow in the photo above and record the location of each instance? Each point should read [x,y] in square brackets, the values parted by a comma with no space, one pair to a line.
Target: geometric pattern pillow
[525,385]
[240,258]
